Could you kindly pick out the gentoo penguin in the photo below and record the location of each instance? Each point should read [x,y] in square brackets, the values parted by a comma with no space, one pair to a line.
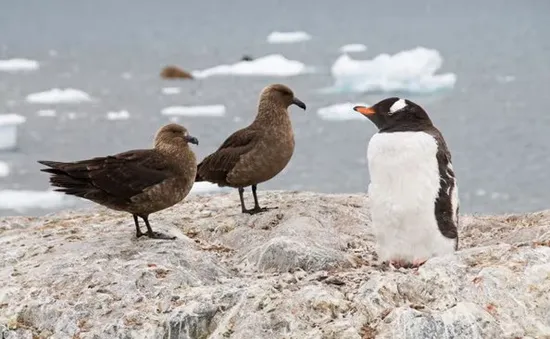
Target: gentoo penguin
[258,152]
[413,190]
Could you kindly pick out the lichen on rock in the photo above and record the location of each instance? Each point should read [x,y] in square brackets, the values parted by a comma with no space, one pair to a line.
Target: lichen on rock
[305,270]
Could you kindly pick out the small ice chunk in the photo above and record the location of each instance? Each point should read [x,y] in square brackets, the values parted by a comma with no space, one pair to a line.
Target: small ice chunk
[269,65]
[287,37]
[341,112]
[127,75]
[120,115]
[46,113]
[406,71]
[398,105]
[481,192]
[505,79]
[21,200]
[4,169]
[171,90]
[59,96]
[351,48]
[71,115]
[8,130]
[210,111]
[18,65]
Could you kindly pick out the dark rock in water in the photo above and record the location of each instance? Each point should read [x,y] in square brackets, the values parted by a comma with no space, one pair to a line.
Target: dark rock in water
[257,153]
[173,72]
[139,182]
[247,57]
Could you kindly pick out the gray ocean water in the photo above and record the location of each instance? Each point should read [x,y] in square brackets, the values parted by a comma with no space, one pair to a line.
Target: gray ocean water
[498,130]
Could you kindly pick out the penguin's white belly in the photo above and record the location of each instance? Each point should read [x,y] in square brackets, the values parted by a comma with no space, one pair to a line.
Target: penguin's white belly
[404,186]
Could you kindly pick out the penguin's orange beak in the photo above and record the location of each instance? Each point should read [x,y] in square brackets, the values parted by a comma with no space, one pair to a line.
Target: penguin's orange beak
[366,111]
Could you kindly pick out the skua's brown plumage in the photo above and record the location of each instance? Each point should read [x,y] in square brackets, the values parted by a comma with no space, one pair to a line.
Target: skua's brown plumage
[258,152]
[139,182]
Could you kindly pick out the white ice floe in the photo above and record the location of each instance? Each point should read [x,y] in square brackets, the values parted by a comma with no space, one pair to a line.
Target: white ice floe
[8,130]
[341,112]
[352,48]
[204,187]
[4,169]
[120,115]
[287,37]
[410,71]
[46,113]
[269,65]
[21,200]
[59,96]
[194,111]
[18,65]
[171,90]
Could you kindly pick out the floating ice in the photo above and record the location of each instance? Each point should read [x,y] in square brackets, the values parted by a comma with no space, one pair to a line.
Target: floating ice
[4,169]
[287,37]
[8,130]
[351,48]
[120,115]
[193,111]
[171,90]
[269,65]
[18,65]
[406,71]
[204,187]
[59,96]
[21,200]
[46,113]
[341,112]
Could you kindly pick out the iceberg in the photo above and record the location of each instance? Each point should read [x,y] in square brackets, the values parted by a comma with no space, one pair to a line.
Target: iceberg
[8,130]
[22,200]
[4,169]
[59,96]
[18,65]
[269,65]
[195,111]
[341,112]
[204,187]
[411,71]
[287,37]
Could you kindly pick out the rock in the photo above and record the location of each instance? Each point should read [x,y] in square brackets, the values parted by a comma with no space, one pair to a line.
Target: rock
[173,72]
[305,270]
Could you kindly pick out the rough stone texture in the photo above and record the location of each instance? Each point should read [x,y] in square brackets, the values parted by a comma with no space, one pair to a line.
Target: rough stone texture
[305,270]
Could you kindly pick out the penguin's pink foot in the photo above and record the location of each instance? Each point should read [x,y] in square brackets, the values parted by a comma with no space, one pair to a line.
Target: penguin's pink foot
[405,264]
[417,263]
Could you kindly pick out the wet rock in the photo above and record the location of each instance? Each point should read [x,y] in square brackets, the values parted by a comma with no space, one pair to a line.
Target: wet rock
[174,72]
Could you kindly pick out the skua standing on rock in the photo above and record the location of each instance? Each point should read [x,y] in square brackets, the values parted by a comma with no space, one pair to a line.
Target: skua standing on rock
[139,182]
[258,152]
[413,190]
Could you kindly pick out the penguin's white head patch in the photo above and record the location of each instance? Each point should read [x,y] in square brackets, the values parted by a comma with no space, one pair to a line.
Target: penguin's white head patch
[397,106]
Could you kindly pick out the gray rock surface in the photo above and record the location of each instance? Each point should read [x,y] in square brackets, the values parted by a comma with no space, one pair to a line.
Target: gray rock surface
[305,270]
